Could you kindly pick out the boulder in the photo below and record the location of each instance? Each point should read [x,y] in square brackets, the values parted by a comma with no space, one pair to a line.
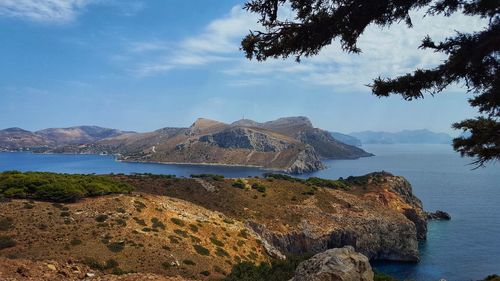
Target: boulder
[438,215]
[340,264]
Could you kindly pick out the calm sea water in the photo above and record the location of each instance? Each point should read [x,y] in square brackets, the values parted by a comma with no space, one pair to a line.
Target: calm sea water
[465,248]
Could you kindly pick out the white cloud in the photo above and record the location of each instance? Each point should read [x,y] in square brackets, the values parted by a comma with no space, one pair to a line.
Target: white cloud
[218,42]
[386,52]
[43,10]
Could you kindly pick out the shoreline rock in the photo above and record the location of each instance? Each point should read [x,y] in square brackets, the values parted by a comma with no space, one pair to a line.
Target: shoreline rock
[339,264]
[438,215]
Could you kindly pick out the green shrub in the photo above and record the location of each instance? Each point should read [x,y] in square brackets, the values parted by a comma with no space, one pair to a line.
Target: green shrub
[57,187]
[6,224]
[216,242]
[157,223]
[118,271]
[139,206]
[181,233]
[166,265]
[101,218]
[201,250]
[221,252]
[259,187]
[177,221]
[189,262]
[111,263]
[6,242]
[276,270]
[335,184]
[140,221]
[193,228]
[282,177]
[239,184]
[76,242]
[214,177]
[65,214]
[244,233]
[116,247]
[93,263]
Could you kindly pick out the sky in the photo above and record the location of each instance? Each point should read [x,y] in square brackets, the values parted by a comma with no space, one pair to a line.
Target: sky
[143,65]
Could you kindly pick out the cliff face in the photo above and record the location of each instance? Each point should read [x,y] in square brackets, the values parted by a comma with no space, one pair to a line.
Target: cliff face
[397,195]
[296,216]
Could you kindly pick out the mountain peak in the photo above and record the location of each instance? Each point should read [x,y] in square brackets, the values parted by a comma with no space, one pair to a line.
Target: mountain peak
[15,130]
[246,123]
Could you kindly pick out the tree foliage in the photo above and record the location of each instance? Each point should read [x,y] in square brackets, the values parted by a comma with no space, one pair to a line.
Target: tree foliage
[472,59]
[57,187]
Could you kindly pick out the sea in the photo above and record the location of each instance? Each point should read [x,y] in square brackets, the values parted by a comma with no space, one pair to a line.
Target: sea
[465,248]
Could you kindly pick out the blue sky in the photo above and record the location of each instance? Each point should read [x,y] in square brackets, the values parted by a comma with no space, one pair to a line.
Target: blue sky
[143,65]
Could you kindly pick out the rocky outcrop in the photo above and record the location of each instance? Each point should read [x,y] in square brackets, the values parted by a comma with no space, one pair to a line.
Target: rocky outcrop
[247,139]
[416,214]
[340,264]
[307,161]
[438,215]
[377,238]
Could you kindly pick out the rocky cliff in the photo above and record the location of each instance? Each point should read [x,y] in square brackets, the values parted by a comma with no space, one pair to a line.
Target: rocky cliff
[301,216]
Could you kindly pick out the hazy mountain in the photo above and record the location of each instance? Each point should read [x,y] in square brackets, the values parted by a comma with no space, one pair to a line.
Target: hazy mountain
[407,136]
[78,135]
[19,139]
[347,139]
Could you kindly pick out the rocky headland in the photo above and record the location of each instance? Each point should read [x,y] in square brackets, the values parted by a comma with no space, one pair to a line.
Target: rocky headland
[202,227]
[290,145]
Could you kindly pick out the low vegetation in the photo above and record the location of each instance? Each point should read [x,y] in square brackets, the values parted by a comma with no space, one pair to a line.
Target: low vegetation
[57,187]
[239,184]
[214,177]
[259,187]
[6,242]
[276,270]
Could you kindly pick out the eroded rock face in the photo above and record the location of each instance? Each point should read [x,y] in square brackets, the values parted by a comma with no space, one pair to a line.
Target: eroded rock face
[339,264]
[377,238]
[416,214]
[245,138]
[307,161]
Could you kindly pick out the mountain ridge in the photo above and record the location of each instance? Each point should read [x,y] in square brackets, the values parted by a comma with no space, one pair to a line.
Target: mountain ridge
[289,144]
[423,136]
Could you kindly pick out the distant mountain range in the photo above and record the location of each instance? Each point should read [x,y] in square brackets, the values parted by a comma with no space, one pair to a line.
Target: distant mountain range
[288,144]
[407,136]
[347,139]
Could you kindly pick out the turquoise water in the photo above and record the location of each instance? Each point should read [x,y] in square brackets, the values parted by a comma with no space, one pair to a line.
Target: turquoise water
[465,248]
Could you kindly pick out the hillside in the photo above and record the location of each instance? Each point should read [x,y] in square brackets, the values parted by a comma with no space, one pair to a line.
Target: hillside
[347,139]
[201,228]
[13,139]
[290,145]
[19,139]
[407,136]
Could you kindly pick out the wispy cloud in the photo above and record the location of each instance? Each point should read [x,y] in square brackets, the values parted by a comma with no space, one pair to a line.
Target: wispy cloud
[218,42]
[60,11]
[43,10]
